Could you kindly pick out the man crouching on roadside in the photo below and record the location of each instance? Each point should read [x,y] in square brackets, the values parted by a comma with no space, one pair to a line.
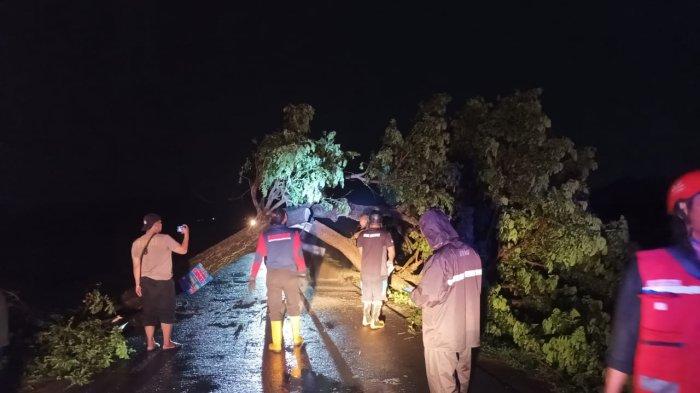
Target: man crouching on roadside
[153,272]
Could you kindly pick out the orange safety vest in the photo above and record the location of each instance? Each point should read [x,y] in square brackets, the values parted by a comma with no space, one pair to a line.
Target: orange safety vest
[668,348]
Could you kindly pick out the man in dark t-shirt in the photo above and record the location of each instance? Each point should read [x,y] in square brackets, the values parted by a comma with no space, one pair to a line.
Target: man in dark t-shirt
[377,252]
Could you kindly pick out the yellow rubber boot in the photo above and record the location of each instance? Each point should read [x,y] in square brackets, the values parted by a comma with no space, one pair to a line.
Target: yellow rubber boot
[276,331]
[296,330]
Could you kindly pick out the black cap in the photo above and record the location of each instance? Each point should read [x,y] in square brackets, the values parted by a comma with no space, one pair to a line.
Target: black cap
[148,221]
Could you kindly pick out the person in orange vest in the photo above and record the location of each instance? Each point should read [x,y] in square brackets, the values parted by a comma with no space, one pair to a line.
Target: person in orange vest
[280,247]
[656,335]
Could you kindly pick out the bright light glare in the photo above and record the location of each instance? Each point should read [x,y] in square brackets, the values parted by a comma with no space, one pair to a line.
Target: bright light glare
[252,222]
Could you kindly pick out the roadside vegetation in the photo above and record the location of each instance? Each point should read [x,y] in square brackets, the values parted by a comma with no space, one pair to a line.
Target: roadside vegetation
[76,346]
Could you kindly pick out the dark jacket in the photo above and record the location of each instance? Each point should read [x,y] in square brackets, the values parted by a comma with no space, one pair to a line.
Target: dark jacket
[450,289]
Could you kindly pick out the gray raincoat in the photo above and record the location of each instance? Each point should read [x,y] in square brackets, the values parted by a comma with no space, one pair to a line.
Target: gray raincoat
[450,289]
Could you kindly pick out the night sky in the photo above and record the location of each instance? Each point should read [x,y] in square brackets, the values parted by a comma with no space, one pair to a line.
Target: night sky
[105,101]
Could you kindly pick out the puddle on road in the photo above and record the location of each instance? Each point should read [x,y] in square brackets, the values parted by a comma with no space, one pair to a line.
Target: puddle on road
[242,304]
[238,331]
[200,384]
[179,317]
[223,300]
[224,325]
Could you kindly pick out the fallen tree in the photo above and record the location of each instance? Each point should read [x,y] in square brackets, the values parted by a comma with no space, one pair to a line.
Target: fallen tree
[288,168]
[413,174]
[556,263]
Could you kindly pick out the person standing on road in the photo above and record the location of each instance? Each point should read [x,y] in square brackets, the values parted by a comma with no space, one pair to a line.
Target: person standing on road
[449,295]
[656,333]
[151,255]
[377,261]
[280,247]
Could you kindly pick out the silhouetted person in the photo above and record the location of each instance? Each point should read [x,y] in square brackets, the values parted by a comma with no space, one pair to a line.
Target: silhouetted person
[656,335]
[449,295]
[153,272]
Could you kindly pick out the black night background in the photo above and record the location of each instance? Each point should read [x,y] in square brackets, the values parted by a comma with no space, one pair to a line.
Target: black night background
[110,110]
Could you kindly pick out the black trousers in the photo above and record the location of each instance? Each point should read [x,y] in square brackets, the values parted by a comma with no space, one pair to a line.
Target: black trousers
[158,301]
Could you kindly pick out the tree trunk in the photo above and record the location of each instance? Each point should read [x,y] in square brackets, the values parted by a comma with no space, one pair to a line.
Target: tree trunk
[347,247]
[334,239]
[228,250]
[401,280]
[244,241]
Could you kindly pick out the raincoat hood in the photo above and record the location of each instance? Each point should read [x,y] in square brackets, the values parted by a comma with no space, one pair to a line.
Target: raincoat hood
[435,226]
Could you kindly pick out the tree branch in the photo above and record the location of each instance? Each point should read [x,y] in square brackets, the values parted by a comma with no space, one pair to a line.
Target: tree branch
[362,177]
[281,202]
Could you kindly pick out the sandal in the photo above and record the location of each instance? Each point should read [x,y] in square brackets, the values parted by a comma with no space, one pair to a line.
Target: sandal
[155,346]
[176,345]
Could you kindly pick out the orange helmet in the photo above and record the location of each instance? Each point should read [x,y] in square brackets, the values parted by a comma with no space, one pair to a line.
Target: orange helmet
[685,187]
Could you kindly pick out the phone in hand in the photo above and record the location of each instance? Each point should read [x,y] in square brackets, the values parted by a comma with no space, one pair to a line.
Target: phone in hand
[181,228]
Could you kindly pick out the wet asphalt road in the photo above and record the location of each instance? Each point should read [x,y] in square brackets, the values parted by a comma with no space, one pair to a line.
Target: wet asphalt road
[224,331]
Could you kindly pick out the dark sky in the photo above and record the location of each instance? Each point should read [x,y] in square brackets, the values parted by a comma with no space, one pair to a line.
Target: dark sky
[111,100]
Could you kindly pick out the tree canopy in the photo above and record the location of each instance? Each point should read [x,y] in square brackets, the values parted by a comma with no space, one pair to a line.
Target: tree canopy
[554,265]
[556,262]
[290,168]
[413,172]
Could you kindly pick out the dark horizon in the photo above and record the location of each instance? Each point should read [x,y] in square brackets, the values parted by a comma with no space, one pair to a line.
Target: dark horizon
[98,98]
[110,111]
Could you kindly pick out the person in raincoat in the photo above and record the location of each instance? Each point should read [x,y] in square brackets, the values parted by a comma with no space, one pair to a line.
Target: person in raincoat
[449,295]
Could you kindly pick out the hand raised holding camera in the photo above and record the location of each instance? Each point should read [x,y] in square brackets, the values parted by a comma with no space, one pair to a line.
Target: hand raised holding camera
[184,229]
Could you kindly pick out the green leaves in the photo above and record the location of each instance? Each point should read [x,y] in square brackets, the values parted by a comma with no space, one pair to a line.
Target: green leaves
[289,167]
[74,348]
[97,303]
[414,172]
[557,262]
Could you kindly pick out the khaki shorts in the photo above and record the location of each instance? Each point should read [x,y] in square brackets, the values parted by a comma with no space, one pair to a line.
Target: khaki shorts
[373,289]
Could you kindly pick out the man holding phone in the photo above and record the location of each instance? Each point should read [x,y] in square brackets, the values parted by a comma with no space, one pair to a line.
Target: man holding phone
[151,255]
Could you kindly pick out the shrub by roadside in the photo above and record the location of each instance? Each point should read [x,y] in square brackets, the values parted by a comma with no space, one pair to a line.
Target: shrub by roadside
[513,357]
[75,347]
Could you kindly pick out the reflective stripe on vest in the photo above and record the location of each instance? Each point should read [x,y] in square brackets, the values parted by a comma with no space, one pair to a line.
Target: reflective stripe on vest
[280,248]
[461,276]
[669,329]
[678,289]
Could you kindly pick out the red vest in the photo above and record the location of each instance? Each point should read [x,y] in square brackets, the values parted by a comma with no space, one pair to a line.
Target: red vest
[668,348]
